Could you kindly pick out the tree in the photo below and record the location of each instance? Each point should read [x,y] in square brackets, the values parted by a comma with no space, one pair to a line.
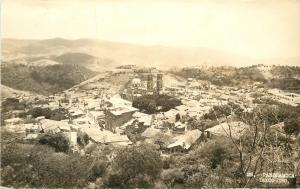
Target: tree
[98,170]
[256,151]
[57,114]
[58,141]
[149,103]
[114,180]
[138,166]
[172,176]
[82,139]
[162,140]
[36,166]
[218,111]
[38,111]
[218,156]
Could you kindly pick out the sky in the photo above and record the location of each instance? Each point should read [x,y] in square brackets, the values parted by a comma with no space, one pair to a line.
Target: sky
[252,28]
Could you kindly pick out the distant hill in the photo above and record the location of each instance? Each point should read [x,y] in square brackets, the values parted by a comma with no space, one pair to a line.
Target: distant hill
[282,77]
[140,55]
[43,62]
[7,92]
[85,60]
[75,58]
[43,80]
[53,65]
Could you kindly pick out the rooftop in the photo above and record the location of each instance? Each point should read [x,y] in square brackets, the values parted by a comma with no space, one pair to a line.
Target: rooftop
[122,110]
[235,129]
[186,140]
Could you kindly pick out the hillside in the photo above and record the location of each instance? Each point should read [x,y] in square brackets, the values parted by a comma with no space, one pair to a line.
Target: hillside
[75,58]
[282,77]
[85,60]
[43,80]
[7,92]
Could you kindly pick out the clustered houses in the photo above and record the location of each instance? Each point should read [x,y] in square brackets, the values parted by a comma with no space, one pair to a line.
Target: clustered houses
[292,99]
[105,113]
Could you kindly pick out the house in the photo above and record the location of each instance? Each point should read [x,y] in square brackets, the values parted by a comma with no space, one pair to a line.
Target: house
[143,118]
[117,101]
[150,132]
[179,128]
[184,142]
[53,126]
[81,121]
[292,99]
[172,114]
[98,117]
[31,136]
[117,117]
[14,121]
[76,113]
[233,129]
[106,137]
[15,128]
[31,128]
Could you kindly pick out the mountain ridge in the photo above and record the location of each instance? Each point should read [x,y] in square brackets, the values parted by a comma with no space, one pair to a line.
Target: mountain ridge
[153,55]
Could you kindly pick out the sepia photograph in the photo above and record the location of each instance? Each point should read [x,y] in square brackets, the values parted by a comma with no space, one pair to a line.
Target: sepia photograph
[150,94]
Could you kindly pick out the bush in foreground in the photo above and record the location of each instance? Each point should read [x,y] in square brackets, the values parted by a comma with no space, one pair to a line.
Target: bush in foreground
[25,165]
[135,167]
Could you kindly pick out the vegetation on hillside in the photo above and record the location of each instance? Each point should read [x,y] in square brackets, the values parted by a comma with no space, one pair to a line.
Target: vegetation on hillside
[155,103]
[56,114]
[75,58]
[44,80]
[284,77]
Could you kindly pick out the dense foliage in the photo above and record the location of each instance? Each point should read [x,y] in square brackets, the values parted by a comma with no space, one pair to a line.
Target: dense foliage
[44,79]
[56,114]
[155,103]
[285,84]
[286,76]
[58,141]
[11,104]
[223,76]
[136,167]
[223,110]
[24,165]
[292,126]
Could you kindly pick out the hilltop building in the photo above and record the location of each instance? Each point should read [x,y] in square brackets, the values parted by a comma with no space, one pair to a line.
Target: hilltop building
[149,82]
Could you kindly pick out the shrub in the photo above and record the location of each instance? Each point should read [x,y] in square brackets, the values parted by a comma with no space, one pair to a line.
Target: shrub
[292,126]
[218,156]
[149,103]
[39,166]
[57,114]
[114,181]
[172,176]
[57,141]
[137,166]
[82,139]
[12,104]
[98,170]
